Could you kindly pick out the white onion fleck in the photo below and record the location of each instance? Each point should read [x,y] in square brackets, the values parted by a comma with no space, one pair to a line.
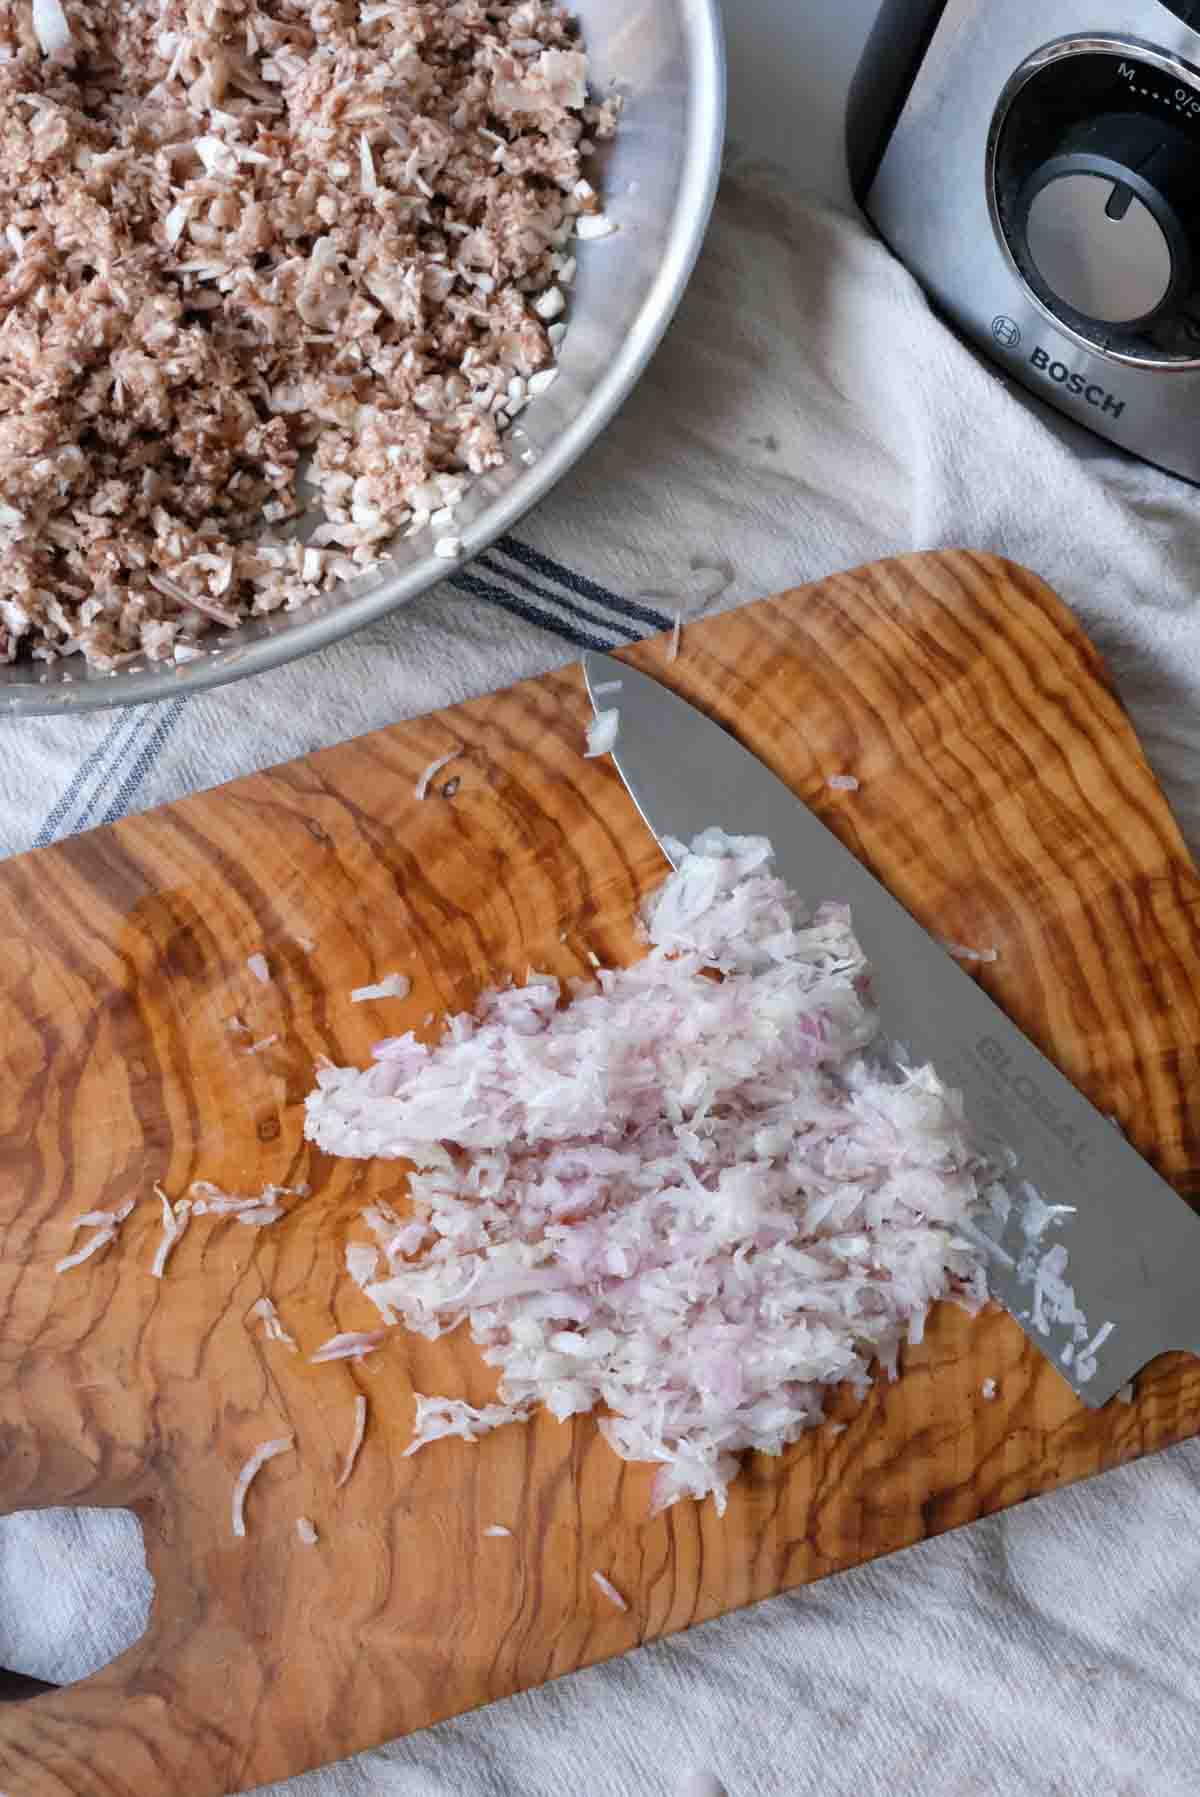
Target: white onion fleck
[437,1418]
[50,27]
[370,184]
[106,1223]
[356,1441]
[362,1262]
[610,1591]
[272,1326]
[602,733]
[100,1240]
[351,1346]
[549,304]
[392,985]
[249,1473]
[590,225]
[435,767]
[175,1219]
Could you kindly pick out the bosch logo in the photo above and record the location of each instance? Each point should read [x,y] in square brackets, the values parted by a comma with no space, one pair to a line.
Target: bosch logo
[1073,382]
[1006,331]
[1028,1093]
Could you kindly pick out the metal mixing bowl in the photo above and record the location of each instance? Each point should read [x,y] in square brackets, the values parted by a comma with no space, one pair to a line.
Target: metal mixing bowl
[657,179]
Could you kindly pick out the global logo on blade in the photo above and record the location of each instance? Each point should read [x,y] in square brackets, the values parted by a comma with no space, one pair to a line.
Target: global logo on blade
[1032,1097]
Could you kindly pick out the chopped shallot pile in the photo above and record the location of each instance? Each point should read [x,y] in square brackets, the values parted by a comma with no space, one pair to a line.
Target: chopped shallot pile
[696,1193]
[255,245]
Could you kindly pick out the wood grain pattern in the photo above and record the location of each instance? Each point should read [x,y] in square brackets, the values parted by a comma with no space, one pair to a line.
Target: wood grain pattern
[1004,798]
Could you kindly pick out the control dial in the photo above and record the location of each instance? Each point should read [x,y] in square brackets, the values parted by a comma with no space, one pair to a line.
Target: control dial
[1096,195]
[1103,220]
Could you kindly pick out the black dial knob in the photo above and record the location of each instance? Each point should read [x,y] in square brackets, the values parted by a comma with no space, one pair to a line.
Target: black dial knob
[1100,226]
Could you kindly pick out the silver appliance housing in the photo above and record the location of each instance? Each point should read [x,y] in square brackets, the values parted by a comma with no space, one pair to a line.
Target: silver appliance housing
[928,107]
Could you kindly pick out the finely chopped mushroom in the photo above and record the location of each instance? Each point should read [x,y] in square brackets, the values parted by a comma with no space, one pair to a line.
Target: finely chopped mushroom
[246,238]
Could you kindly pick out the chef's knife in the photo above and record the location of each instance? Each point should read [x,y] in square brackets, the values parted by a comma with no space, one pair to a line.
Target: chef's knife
[1133,1245]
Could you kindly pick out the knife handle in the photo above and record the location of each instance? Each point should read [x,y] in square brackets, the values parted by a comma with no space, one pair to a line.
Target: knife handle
[16,1686]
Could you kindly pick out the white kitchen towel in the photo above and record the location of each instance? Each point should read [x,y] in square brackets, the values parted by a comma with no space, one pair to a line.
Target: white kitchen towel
[806,412]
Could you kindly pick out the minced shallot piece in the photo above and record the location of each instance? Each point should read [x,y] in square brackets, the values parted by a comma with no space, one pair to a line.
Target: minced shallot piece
[593,224]
[699,1194]
[255,1213]
[175,1219]
[497,1530]
[352,1346]
[439,1417]
[961,952]
[258,1216]
[1085,1358]
[307,1532]
[842,783]
[93,1245]
[362,1262]
[273,1328]
[261,261]
[609,1589]
[356,1441]
[107,1225]
[259,968]
[50,27]
[392,985]
[249,1473]
[421,790]
[988,1389]
[602,733]
[263,1043]
[100,1219]
[1036,1216]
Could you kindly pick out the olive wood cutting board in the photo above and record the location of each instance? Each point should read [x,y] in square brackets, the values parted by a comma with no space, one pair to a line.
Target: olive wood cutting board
[1003,798]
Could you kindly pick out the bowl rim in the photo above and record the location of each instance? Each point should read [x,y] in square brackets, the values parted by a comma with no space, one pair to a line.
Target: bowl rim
[703,148]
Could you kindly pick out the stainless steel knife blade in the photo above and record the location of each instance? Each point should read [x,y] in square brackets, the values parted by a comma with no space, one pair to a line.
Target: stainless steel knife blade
[1133,1245]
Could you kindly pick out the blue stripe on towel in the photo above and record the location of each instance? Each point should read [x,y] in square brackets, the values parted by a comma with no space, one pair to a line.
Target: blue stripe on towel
[100,795]
[465,582]
[89,765]
[165,720]
[539,591]
[580,584]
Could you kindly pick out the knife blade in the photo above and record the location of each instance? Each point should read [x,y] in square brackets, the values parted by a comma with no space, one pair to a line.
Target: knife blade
[1133,1245]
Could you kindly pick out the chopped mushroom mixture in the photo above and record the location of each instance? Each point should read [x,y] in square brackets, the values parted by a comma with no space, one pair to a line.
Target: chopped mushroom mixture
[259,257]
